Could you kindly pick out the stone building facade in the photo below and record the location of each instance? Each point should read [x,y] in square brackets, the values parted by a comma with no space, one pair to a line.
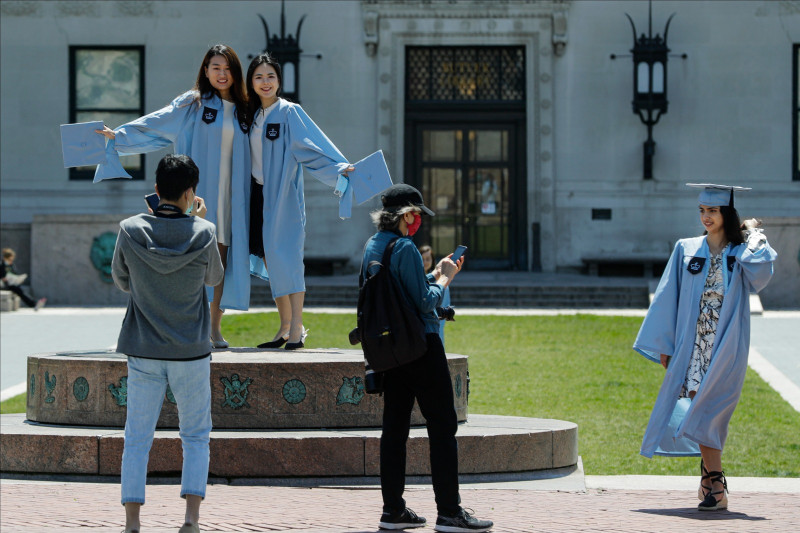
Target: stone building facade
[510,115]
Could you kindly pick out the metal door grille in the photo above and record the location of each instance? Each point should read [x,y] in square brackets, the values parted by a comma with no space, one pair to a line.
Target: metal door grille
[465,74]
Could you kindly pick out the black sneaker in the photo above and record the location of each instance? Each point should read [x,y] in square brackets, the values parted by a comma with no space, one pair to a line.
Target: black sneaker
[463,522]
[406,519]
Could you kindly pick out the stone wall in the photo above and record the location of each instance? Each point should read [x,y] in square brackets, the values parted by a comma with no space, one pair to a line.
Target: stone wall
[783,290]
[63,269]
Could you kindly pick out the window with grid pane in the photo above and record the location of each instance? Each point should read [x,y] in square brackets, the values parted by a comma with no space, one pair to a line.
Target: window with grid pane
[465,74]
[107,84]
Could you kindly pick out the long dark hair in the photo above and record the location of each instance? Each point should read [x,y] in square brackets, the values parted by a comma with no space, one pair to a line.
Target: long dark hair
[255,102]
[206,90]
[422,251]
[731,225]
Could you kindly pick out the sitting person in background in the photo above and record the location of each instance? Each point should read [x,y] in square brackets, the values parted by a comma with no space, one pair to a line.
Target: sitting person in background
[11,281]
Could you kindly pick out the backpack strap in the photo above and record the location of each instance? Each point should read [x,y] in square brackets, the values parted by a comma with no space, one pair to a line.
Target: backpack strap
[387,253]
[385,259]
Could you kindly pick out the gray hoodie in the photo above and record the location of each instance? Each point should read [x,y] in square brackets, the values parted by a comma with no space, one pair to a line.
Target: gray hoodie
[165,263]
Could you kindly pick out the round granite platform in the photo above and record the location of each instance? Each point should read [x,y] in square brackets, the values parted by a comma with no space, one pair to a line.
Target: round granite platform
[250,389]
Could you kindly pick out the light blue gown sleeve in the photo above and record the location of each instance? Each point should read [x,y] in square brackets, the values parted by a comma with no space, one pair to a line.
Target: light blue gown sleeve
[149,133]
[756,257]
[346,202]
[408,268]
[657,334]
[312,149]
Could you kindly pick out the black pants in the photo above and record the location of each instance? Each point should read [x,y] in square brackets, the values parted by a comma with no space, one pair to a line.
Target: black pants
[428,380]
[256,218]
[16,289]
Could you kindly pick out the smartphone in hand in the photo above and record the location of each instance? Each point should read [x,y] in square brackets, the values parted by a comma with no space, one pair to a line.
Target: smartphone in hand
[458,253]
[152,201]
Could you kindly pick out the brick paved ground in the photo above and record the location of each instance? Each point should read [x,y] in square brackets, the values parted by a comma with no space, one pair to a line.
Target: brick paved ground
[40,507]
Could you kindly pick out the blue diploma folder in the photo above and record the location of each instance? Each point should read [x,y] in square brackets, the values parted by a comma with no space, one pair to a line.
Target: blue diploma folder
[81,145]
[370,177]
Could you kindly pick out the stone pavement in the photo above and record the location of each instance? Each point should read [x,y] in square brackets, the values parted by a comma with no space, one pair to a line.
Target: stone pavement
[54,506]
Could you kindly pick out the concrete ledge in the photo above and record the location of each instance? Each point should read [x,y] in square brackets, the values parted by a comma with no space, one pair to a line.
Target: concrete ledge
[8,301]
[487,444]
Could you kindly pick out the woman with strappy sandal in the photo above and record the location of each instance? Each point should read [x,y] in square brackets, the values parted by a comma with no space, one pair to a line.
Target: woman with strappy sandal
[698,329]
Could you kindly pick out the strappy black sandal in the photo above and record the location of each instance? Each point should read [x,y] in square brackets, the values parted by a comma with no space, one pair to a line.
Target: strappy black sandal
[710,502]
[703,489]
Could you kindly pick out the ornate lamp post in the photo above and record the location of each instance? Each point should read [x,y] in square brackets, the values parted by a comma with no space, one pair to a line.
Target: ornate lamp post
[286,50]
[649,82]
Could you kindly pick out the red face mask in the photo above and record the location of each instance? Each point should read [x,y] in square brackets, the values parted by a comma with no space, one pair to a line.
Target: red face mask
[414,226]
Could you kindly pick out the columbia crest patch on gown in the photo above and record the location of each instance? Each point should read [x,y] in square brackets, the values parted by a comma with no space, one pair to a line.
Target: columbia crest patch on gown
[695,265]
[209,115]
[272,131]
[731,262]
[245,128]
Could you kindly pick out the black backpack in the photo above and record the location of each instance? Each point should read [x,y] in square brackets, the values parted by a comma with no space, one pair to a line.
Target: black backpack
[391,332]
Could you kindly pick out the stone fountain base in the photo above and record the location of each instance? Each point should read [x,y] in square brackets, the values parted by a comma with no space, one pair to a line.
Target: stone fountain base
[250,389]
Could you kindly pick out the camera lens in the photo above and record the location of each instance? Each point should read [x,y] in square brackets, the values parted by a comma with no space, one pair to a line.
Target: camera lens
[446,313]
[354,336]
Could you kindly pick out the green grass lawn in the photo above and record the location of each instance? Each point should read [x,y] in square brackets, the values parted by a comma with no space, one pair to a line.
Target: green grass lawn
[577,368]
[13,405]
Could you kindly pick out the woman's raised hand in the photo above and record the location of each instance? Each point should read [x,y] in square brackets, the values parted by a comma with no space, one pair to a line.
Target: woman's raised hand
[106,132]
[751,223]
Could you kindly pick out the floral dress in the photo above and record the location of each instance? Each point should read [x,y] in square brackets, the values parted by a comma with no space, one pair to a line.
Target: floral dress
[710,304]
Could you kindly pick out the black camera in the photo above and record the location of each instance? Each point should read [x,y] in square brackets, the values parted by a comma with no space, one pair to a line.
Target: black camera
[373,381]
[354,336]
[446,313]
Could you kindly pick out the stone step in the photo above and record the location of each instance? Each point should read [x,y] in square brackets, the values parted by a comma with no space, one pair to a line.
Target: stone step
[569,296]
[486,444]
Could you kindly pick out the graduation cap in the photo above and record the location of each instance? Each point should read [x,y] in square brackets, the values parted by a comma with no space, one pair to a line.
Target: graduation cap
[81,146]
[714,195]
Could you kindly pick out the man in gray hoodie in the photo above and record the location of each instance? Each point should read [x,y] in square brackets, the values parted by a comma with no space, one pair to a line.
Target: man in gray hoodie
[165,260]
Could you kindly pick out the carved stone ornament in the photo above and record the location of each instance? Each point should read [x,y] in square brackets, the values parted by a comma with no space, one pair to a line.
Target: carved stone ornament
[351,391]
[80,388]
[120,393]
[50,385]
[236,391]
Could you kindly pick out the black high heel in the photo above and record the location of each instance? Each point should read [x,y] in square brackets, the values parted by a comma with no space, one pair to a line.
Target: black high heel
[297,345]
[710,502]
[277,343]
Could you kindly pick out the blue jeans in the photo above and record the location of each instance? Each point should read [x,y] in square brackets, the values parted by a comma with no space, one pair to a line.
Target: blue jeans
[190,382]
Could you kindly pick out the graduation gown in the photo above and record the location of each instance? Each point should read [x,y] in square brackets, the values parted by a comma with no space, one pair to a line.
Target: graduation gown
[196,130]
[677,428]
[291,142]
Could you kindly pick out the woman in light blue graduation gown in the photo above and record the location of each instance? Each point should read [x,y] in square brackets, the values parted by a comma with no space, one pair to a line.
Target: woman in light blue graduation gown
[284,142]
[694,406]
[208,123]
